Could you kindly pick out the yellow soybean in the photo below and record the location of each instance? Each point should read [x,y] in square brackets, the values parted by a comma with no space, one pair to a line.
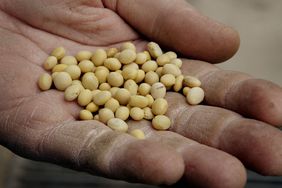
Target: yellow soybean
[136,113]
[99,56]
[59,52]
[50,62]
[69,60]
[159,106]
[83,55]
[45,82]
[85,115]
[62,80]
[117,125]
[72,92]
[161,122]
[89,81]
[105,115]
[137,133]
[122,112]
[127,56]
[102,97]
[85,97]
[115,79]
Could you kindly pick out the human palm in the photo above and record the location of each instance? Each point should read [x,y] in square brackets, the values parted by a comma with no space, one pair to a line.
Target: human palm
[42,126]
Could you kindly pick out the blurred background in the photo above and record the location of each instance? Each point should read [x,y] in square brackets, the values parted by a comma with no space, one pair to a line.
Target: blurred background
[260,27]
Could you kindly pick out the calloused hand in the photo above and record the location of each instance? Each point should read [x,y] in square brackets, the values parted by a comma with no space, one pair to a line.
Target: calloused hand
[207,145]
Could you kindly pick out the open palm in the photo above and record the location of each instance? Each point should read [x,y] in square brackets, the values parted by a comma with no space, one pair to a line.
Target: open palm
[42,126]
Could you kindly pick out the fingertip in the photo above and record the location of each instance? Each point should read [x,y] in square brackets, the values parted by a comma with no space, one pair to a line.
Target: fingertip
[219,170]
[229,45]
[255,143]
[147,162]
[259,99]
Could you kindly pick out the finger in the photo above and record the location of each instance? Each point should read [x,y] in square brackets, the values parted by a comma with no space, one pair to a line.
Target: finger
[204,166]
[86,22]
[177,25]
[93,147]
[255,143]
[255,98]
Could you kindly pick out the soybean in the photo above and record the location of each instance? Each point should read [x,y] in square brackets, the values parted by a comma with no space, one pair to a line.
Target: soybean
[90,81]
[144,89]
[159,106]
[102,97]
[115,79]
[171,55]
[128,45]
[141,58]
[105,87]
[195,95]
[122,112]
[85,115]
[131,86]
[138,101]
[45,82]
[74,71]
[99,56]
[59,52]
[111,52]
[102,74]
[123,96]
[171,69]
[136,113]
[154,49]
[161,122]
[178,83]
[62,80]
[150,100]
[168,80]
[186,90]
[86,66]
[84,97]
[112,104]
[131,65]
[129,73]
[140,76]
[112,64]
[151,77]
[83,55]
[50,62]
[137,133]
[72,92]
[148,114]
[69,60]
[177,62]
[59,68]
[113,90]
[105,115]
[192,81]
[127,56]
[117,125]
[163,59]
[150,66]
[158,90]
[92,107]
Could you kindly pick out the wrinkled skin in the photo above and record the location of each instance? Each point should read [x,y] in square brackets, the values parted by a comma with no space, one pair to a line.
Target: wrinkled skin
[206,146]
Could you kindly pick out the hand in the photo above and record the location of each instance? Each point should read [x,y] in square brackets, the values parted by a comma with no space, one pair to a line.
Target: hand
[42,126]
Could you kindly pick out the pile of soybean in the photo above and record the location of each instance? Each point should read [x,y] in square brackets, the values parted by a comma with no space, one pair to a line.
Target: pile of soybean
[114,85]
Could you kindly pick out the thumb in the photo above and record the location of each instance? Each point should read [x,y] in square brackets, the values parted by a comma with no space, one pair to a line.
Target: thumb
[176,24]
